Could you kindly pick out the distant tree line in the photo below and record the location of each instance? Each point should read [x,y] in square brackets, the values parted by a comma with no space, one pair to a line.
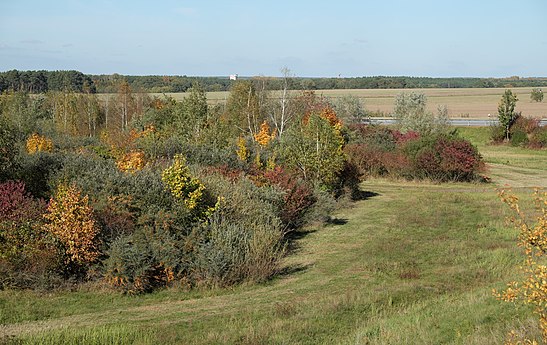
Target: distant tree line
[43,81]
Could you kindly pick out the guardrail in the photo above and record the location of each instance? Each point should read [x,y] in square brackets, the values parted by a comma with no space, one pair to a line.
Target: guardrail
[453,122]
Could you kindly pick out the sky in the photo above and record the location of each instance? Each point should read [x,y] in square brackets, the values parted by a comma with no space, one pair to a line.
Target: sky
[347,38]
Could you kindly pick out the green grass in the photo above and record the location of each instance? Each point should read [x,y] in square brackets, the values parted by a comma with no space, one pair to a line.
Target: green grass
[382,275]
[416,263]
[507,165]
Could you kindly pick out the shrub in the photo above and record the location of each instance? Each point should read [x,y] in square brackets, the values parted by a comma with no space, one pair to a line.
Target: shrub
[348,181]
[518,138]
[444,158]
[244,202]
[233,253]
[396,164]
[186,188]
[525,124]
[380,138]
[532,238]
[36,171]
[539,138]
[460,160]
[153,256]
[322,209]
[439,157]
[70,219]
[28,255]
[369,160]
[211,155]
[403,138]
[131,161]
[497,134]
[8,149]
[426,164]
[297,199]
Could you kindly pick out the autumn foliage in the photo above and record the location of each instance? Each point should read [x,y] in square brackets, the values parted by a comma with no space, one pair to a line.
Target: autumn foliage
[69,218]
[242,150]
[186,188]
[533,239]
[131,162]
[27,252]
[265,135]
[38,143]
[439,157]
[298,197]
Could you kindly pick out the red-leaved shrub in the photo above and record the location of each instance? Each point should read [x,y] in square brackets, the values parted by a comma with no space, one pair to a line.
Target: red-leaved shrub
[439,157]
[403,138]
[16,204]
[28,255]
[298,196]
[459,159]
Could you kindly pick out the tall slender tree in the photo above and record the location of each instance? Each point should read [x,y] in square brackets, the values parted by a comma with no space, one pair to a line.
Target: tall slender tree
[506,111]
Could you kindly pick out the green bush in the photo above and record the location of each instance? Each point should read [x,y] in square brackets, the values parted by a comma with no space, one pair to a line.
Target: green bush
[518,138]
[243,241]
[497,133]
[245,203]
[8,149]
[233,253]
[150,257]
[36,171]
[539,138]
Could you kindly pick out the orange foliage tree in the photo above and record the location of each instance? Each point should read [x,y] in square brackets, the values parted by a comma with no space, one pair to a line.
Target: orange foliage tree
[131,162]
[37,143]
[533,239]
[264,136]
[70,219]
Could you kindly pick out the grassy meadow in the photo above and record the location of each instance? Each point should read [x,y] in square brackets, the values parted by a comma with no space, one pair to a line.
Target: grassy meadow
[412,262]
[464,102]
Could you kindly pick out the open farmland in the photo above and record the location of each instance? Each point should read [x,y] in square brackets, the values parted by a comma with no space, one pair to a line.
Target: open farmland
[472,102]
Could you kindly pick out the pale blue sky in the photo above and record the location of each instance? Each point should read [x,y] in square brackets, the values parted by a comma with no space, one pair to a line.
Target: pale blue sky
[488,38]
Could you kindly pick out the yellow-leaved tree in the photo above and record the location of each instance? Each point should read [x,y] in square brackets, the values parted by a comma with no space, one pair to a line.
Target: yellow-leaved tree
[533,239]
[186,188]
[70,219]
[36,143]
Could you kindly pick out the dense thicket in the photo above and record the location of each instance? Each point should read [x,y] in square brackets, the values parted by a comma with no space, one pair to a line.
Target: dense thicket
[42,81]
[138,193]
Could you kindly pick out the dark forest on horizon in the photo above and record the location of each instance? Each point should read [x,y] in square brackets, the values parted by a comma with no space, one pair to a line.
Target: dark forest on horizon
[43,81]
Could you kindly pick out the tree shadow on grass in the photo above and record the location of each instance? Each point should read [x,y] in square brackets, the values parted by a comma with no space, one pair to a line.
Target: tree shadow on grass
[359,195]
[293,237]
[337,221]
[292,269]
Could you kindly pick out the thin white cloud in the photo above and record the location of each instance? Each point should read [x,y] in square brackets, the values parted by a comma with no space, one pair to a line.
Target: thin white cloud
[31,41]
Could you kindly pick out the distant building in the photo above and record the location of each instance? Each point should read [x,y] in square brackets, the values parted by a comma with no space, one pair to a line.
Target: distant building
[233,76]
